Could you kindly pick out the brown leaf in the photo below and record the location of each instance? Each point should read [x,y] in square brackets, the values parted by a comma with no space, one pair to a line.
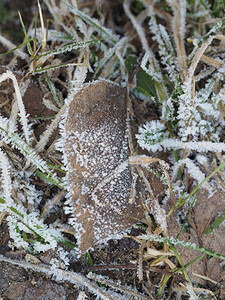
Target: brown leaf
[205,210]
[97,151]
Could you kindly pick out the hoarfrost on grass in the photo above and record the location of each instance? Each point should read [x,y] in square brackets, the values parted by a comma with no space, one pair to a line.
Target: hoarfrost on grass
[106,33]
[193,170]
[137,26]
[22,111]
[6,180]
[150,135]
[53,35]
[150,70]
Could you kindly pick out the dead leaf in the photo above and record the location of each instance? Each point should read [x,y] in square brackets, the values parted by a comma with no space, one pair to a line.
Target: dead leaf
[205,210]
[97,151]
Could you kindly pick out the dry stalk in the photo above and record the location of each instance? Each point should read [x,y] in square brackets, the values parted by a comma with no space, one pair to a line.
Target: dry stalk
[140,260]
[199,54]
[50,205]
[212,62]
[200,290]
[178,25]
[115,286]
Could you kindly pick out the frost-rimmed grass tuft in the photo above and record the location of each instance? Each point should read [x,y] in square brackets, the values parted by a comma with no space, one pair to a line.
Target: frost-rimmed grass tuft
[151,135]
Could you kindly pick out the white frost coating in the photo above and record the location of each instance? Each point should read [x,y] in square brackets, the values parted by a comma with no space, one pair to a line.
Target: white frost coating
[10,75]
[166,50]
[24,87]
[12,224]
[182,8]
[50,105]
[60,145]
[53,35]
[137,26]
[96,158]
[62,262]
[6,180]
[67,48]
[193,170]
[110,52]
[202,159]
[150,71]
[82,296]
[164,165]
[22,221]
[160,216]
[4,122]
[168,144]
[167,56]
[107,179]
[26,150]
[151,134]
[117,285]
[76,84]
[104,32]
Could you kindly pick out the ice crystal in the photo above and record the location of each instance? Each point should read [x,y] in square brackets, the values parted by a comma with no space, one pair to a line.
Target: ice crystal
[193,170]
[104,32]
[150,135]
[137,26]
[6,180]
[22,111]
[150,70]
[168,144]
[53,35]
[166,49]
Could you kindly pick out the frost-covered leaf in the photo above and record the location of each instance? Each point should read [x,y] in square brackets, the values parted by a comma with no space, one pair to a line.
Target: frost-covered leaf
[96,151]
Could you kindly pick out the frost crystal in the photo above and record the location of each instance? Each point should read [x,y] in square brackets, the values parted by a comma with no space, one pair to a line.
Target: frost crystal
[96,153]
[151,134]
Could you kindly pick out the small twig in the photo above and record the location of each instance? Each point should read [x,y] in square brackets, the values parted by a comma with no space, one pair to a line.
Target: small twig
[115,286]
[140,260]
[134,267]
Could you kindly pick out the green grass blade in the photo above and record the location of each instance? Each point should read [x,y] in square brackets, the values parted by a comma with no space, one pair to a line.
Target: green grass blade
[52,89]
[175,242]
[216,223]
[68,48]
[41,70]
[180,202]
[57,182]
[10,51]
[30,50]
